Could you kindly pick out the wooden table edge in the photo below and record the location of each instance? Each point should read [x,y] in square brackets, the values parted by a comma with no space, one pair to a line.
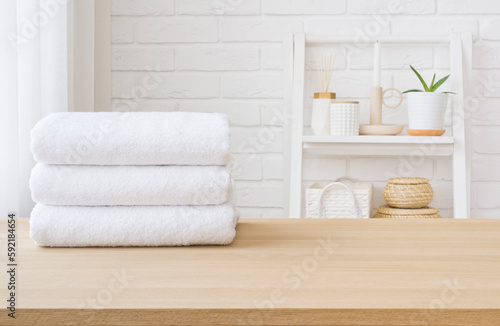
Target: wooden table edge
[266,317]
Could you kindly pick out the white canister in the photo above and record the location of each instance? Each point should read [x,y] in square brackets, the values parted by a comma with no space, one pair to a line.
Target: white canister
[344,118]
[320,121]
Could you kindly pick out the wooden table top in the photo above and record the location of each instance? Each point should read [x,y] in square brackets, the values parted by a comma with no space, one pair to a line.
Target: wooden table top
[277,272]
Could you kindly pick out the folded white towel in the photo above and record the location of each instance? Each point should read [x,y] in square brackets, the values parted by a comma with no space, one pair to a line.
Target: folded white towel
[97,185]
[132,138]
[129,226]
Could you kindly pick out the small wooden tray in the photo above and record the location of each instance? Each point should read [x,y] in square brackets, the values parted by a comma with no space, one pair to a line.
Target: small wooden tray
[425,132]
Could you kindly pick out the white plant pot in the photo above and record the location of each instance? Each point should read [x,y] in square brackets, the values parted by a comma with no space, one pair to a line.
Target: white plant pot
[426,110]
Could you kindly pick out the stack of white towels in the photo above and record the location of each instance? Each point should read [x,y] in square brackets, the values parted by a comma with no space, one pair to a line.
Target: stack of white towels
[132,179]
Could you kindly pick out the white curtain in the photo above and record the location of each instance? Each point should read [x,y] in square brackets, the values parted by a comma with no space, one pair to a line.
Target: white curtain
[34,81]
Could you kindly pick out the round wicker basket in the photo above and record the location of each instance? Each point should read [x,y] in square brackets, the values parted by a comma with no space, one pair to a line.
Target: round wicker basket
[401,213]
[408,192]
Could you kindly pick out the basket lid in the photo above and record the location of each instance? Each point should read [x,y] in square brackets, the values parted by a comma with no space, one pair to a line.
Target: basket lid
[399,217]
[407,211]
[408,181]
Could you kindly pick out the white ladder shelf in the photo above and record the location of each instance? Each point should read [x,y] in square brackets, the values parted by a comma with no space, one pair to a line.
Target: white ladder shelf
[457,146]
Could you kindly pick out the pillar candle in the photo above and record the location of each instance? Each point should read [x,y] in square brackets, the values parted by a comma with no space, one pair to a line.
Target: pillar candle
[376,64]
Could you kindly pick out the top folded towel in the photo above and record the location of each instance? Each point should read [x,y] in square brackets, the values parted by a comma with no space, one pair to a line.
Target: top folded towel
[132,138]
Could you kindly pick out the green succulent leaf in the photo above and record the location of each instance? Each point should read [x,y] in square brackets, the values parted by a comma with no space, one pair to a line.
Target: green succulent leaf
[449,93]
[412,91]
[426,88]
[439,83]
[432,83]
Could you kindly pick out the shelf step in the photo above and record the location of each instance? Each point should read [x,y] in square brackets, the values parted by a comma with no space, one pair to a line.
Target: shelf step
[378,139]
[378,145]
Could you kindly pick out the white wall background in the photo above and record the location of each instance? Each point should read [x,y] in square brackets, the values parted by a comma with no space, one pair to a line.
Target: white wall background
[226,56]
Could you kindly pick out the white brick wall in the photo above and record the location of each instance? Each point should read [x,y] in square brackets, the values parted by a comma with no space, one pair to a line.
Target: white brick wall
[226,56]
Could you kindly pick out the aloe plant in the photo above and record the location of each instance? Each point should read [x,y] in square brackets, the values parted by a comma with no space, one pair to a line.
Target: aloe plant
[432,87]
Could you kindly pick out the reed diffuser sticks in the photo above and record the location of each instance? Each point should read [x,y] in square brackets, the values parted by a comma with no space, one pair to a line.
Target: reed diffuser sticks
[324,64]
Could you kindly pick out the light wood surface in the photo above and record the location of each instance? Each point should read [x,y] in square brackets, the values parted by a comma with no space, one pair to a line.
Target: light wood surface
[376,272]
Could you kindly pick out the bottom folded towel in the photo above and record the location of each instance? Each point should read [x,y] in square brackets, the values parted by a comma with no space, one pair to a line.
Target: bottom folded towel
[132,226]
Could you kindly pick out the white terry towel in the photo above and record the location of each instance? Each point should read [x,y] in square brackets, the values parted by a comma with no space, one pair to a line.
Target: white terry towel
[132,138]
[96,185]
[132,226]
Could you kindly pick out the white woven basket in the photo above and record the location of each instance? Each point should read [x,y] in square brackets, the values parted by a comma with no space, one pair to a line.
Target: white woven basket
[344,118]
[335,201]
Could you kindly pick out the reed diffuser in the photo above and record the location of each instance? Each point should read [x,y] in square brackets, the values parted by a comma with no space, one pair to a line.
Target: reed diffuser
[320,123]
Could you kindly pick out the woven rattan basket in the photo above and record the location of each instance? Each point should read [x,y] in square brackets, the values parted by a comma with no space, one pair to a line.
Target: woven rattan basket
[408,192]
[337,202]
[401,213]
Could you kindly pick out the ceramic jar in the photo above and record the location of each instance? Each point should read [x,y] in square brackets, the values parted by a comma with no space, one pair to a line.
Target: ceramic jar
[344,118]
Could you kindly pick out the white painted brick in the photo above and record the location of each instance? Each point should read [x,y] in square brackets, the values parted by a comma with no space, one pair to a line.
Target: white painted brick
[303,7]
[339,52]
[487,112]
[165,85]
[305,185]
[142,7]
[123,85]
[218,59]
[390,116]
[253,140]
[248,212]
[247,167]
[484,213]
[489,28]
[260,195]
[272,57]
[264,85]
[142,58]
[444,170]
[273,213]
[352,84]
[364,112]
[272,114]
[240,113]
[487,195]
[486,83]
[486,56]
[165,30]
[443,195]
[122,31]
[409,26]
[318,169]
[468,7]
[378,195]
[142,105]
[485,140]
[359,28]
[392,57]
[218,7]
[473,196]
[308,116]
[381,169]
[441,57]
[272,166]
[392,7]
[486,168]
[238,30]
[253,100]
[446,213]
